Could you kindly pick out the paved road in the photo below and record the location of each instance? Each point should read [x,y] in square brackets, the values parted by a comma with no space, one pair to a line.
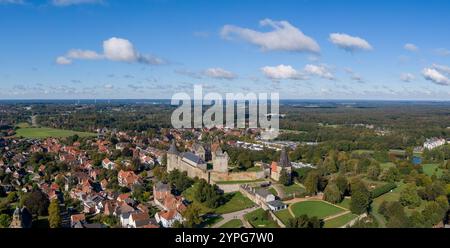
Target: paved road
[235,215]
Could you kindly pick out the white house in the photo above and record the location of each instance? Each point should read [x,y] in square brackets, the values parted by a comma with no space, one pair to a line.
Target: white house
[108,164]
[167,218]
[433,143]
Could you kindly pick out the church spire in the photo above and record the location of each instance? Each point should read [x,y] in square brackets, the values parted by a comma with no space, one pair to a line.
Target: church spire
[173,148]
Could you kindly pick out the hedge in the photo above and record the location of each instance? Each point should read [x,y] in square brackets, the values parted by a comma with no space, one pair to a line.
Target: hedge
[383,189]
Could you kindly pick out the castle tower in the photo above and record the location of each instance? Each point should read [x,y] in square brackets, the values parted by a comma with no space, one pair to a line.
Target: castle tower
[220,161]
[172,157]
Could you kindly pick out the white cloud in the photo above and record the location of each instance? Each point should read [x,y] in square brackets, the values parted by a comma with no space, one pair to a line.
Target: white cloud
[349,43]
[407,77]
[118,49]
[115,49]
[410,47]
[319,70]
[83,54]
[108,86]
[74,2]
[61,60]
[435,76]
[442,68]
[219,73]
[283,37]
[354,76]
[281,72]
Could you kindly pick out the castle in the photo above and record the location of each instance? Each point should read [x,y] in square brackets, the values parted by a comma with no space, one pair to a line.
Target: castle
[211,164]
[194,161]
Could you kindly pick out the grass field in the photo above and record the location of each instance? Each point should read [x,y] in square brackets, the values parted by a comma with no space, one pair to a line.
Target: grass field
[237,202]
[259,219]
[284,215]
[361,151]
[431,169]
[339,221]
[345,203]
[43,132]
[320,209]
[293,189]
[232,224]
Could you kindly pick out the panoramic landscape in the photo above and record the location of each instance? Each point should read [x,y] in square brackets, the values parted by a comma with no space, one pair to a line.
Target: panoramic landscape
[93,133]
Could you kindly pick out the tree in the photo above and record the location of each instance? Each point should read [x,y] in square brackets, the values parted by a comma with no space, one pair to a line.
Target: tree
[285,178]
[332,193]
[5,221]
[179,181]
[311,182]
[373,172]
[330,163]
[208,194]
[360,200]
[54,215]
[342,184]
[433,213]
[409,196]
[303,221]
[192,216]
[36,201]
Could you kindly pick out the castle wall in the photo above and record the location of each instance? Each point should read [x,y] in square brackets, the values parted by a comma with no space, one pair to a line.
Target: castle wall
[236,176]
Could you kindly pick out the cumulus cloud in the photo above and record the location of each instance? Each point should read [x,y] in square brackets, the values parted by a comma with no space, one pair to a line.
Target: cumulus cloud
[349,43]
[442,68]
[410,47]
[114,49]
[319,70]
[281,72]
[219,73]
[407,77]
[283,37]
[61,60]
[435,76]
[74,2]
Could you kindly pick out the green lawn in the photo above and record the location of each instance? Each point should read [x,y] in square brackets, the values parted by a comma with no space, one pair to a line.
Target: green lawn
[189,195]
[254,168]
[345,203]
[43,132]
[431,169]
[232,224]
[361,151]
[259,219]
[293,189]
[387,165]
[273,191]
[339,221]
[397,152]
[284,215]
[237,202]
[320,209]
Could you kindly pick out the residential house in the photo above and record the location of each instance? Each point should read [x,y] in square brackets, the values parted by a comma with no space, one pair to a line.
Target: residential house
[108,164]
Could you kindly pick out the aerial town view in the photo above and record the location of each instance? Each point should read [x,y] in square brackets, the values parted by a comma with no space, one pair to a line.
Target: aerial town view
[101,125]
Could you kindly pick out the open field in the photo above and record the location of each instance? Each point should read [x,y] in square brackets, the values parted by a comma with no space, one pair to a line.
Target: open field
[293,189]
[43,132]
[320,209]
[232,224]
[237,202]
[260,219]
[387,165]
[339,221]
[431,169]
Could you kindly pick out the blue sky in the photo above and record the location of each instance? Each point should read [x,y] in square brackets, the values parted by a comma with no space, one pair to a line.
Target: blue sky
[79,49]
